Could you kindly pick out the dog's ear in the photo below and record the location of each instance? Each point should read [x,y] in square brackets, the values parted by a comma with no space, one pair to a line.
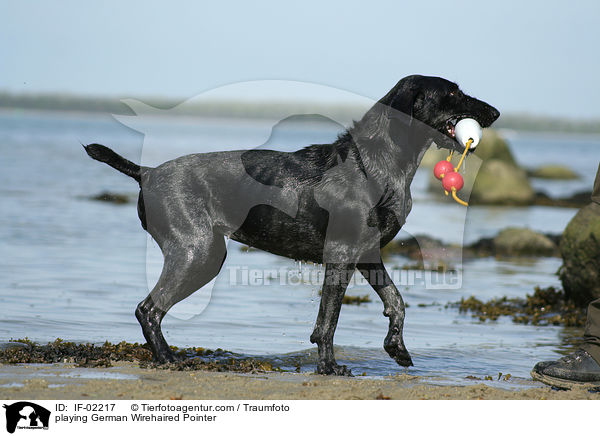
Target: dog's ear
[406,102]
[396,108]
[403,97]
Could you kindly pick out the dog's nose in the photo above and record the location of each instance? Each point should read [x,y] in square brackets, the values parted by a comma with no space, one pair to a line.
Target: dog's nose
[495,113]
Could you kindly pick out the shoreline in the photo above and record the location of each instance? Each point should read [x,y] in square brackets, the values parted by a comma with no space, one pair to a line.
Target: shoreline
[127,381]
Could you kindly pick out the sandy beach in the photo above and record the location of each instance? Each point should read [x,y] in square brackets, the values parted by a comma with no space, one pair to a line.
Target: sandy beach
[129,381]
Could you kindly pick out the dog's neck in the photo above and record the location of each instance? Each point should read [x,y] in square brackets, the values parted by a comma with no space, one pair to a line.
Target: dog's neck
[390,147]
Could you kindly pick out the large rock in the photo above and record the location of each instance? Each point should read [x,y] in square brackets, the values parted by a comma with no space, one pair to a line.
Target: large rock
[499,182]
[573,201]
[433,155]
[493,146]
[523,242]
[580,250]
[556,172]
[499,179]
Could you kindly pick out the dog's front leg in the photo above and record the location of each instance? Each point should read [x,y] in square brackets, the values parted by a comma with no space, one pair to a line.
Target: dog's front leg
[337,277]
[393,308]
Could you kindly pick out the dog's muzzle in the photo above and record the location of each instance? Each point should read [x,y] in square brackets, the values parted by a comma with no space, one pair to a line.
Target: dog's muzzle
[467,130]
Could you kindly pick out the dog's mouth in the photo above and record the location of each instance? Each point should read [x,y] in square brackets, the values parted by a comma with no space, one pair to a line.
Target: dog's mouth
[450,127]
[449,131]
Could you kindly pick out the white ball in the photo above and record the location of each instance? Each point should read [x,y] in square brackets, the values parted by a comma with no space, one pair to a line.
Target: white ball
[467,129]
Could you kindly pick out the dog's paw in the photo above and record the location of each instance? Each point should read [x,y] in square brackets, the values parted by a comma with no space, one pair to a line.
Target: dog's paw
[399,354]
[332,368]
[167,357]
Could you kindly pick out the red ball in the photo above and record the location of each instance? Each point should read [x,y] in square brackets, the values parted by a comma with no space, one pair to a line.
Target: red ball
[441,168]
[453,180]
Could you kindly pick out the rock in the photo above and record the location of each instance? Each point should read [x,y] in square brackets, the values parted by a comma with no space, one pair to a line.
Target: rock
[493,146]
[580,250]
[522,242]
[411,247]
[111,197]
[556,172]
[428,251]
[483,247]
[577,200]
[496,246]
[499,182]
[433,155]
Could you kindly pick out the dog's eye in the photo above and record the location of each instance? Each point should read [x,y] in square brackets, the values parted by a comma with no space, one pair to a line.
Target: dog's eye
[453,94]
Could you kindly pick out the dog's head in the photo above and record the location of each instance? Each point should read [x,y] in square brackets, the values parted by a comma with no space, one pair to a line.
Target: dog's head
[439,104]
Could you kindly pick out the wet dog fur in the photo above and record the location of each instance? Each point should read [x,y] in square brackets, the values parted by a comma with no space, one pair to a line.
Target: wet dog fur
[299,205]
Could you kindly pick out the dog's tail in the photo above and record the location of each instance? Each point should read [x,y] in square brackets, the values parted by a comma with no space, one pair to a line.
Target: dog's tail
[106,155]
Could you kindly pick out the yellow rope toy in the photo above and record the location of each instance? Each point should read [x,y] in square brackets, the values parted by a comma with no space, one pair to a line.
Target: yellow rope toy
[460,162]
[468,132]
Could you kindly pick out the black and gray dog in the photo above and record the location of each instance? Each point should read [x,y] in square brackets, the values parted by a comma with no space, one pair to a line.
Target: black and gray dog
[335,204]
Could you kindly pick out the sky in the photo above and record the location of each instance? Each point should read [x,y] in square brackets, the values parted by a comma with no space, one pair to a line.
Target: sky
[538,57]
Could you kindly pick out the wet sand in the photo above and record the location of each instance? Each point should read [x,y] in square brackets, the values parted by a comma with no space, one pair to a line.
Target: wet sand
[129,381]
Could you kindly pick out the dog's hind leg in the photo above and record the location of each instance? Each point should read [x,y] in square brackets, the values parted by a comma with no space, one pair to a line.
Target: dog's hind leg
[186,269]
[393,308]
[337,277]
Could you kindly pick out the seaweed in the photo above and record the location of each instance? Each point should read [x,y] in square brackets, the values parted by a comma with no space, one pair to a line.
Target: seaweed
[547,306]
[439,266]
[356,300]
[247,365]
[86,355]
[92,356]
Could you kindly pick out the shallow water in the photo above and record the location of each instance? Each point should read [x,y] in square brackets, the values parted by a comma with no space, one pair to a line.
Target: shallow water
[76,269]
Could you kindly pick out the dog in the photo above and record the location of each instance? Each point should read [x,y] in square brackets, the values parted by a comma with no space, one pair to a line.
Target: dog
[337,204]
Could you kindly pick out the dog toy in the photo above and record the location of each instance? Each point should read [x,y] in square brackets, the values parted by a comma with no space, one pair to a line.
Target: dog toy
[468,133]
